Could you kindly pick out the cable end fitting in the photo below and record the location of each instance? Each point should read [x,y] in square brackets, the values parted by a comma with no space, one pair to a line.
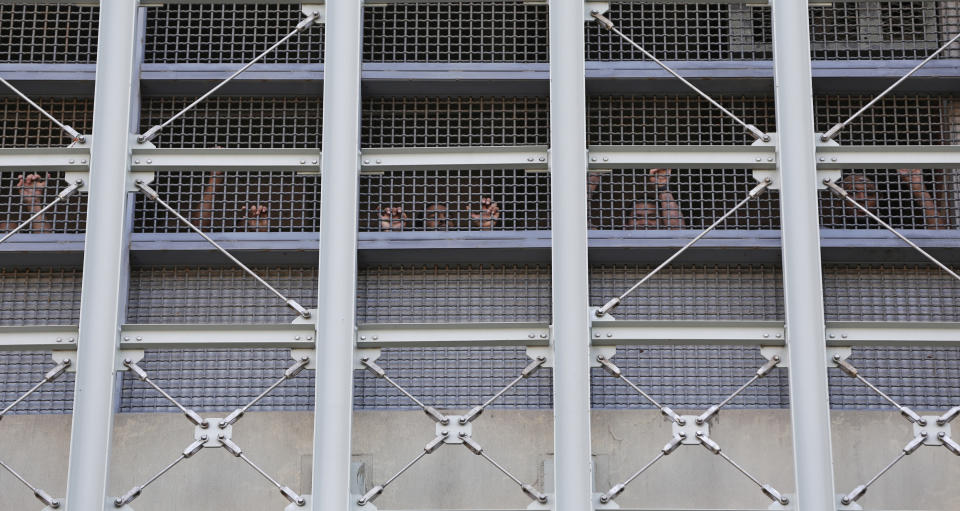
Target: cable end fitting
[604,22]
[845,366]
[912,416]
[128,497]
[533,493]
[832,132]
[149,135]
[292,496]
[607,307]
[371,495]
[757,134]
[45,497]
[949,416]
[304,313]
[307,22]
[774,495]
[851,497]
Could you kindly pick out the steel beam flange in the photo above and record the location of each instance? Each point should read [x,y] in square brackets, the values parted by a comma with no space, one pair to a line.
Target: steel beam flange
[832,352]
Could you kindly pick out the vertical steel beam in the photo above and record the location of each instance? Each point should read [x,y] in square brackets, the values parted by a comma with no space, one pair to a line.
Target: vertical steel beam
[802,284]
[336,314]
[571,340]
[105,262]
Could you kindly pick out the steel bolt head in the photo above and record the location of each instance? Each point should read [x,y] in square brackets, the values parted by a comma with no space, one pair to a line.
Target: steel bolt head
[149,161]
[221,436]
[445,433]
[531,335]
[203,436]
[541,357]
[304,358]
[127,361]
[222,424]
[942,434]
[777,357]
[836,356]
[923,433]
[462,434]
[365,359]
[594,11]
[596,334]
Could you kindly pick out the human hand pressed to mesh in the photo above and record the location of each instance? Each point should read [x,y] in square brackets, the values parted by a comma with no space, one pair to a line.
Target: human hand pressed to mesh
[913,177]
[31,188]
[257,217]
[644,214]
[392,219]
[488,215]
[659,178]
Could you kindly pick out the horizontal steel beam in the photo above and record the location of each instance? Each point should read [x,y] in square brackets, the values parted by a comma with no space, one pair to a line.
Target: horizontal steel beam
[32,338]
[53,159]
[632,332]
[190,336]
[230,160]
[737,157]
[431,158]
[879,333]
[384,335]
[882,157]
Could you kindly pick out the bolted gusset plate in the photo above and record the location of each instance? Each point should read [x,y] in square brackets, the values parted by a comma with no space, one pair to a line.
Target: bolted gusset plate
[454,430]
[690,429]
[213,432]
[933,430]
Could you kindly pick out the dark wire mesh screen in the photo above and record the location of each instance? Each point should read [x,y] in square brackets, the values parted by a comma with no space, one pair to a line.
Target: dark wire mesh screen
[192,294]
[229,33]
[675,120]
[921,378]
[890,293]
[50,34]
[683,31]
[232,122]
[39,296]
[882,30]
[452,294]
[395,121]
[20,371]
[455,200]
[489,31]
[23,126]
[640,199]
[22,195]
[904,198]
[692,292]
[894,120]
[232,202]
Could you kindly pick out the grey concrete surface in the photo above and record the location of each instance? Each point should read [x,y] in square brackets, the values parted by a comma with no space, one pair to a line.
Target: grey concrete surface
[454,478]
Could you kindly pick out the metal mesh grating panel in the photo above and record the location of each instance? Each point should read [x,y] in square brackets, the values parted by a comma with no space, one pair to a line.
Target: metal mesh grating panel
[21,370]
[437,294]
[182,294]
[689,377]
[684,31]
[882,30]
[39,296]
[904,198]
[692,292]
[917,377]
[233,202]
[686,199]
[48,34]
[22,195]
[22,126]
[674,120]
[229,33]
[890,293]
[216,380]
[454,121]
[906,120]
[490,31]
[231,122]
[455,200]
[453,378]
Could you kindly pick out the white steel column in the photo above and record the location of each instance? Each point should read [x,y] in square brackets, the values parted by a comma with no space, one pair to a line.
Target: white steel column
[105,263]
[336,315]
[802,284]
[571,340]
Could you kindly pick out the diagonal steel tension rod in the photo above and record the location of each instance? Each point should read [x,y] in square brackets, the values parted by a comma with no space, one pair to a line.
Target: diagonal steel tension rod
[832,132]
[853,372]
[66,192]
[430,448]
[153,195]
[528,371]
[76,135]
[757,190]
[607,24]
[286,491]
[615,371]
[477,449]
[289,373]
[191,415]
[41,495]
[135,492]
[378,371]
[761,372]
[303,25]
[858,492]
[51,375]
[846,196]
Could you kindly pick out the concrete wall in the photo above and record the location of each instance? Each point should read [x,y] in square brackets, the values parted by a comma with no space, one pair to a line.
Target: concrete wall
[454,478]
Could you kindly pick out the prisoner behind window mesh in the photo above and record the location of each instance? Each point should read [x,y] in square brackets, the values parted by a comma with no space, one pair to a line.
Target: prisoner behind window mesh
[684,31]
[23,194]
[229,33]
[454,200]
[237,122]
[49,34]
[22,126]
[634,199]
[391,121]
[883,30]
[233,202]
[486,31]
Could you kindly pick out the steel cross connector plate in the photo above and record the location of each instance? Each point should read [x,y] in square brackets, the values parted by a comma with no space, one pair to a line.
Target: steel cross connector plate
[455,431]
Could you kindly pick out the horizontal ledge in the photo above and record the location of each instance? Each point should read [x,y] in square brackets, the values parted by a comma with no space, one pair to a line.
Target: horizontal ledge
[33,338]
[385,335]
[874,157]
[228,160]
[640,332]
[437,158]
[720,156]
[52,159]
[214,336]
[888,333]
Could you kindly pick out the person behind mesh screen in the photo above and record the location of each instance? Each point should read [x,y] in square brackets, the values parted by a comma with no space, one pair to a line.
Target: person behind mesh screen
[659,209]
[900,198]
[437,217]
[256,217]
[31,190]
